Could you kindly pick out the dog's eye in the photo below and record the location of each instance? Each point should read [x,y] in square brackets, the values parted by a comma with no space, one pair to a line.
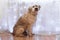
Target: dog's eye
[33,6]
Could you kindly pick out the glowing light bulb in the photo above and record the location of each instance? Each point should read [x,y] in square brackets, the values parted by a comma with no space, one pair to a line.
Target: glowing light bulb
[0,27]
[15,17]
[14,9]
[5,24]
[52,22]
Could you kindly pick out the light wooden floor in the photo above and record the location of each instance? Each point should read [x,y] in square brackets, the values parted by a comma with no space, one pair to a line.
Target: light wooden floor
[8,36]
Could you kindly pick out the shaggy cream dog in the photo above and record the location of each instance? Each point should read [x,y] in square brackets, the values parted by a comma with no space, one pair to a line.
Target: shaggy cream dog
[24,23]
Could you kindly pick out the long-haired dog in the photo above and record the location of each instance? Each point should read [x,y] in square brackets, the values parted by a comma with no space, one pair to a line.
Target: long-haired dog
[25,22]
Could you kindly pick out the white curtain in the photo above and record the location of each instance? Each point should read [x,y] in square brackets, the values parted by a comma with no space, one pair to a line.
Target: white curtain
[48,18]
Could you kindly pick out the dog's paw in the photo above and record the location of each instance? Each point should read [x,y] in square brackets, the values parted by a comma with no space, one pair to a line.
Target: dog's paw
[31,35]
[25,33]
[19,35]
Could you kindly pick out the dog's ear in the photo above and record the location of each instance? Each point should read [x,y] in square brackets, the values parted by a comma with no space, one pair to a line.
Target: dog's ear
[29,9]
[39,6]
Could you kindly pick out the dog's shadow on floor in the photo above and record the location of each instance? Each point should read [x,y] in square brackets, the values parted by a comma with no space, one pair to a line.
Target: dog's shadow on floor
[23,38]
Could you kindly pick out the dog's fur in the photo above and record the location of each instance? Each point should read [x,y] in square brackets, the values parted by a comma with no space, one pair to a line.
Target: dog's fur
[24,24]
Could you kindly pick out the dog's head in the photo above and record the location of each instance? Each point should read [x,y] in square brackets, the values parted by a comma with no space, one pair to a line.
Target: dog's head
[34,8]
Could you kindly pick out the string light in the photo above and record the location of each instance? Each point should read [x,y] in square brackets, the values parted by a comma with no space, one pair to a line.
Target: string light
[0,27]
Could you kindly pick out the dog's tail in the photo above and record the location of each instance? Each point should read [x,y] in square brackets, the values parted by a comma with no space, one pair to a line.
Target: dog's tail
[12,34]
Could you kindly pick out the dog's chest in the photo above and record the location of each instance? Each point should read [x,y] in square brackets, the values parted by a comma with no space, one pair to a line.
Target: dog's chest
[31,19]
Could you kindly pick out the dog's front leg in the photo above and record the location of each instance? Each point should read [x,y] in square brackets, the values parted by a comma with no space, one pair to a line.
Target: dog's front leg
[29,29]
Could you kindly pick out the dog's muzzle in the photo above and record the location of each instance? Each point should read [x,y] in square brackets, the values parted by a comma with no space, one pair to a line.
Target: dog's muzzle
[36,9]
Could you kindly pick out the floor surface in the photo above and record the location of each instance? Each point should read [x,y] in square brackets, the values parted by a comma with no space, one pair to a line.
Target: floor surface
[8,36]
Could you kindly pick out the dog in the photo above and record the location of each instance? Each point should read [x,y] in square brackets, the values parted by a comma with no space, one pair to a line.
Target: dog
[25,22]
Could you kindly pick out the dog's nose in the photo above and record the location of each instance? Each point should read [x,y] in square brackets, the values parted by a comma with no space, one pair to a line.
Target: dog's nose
[36,9]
